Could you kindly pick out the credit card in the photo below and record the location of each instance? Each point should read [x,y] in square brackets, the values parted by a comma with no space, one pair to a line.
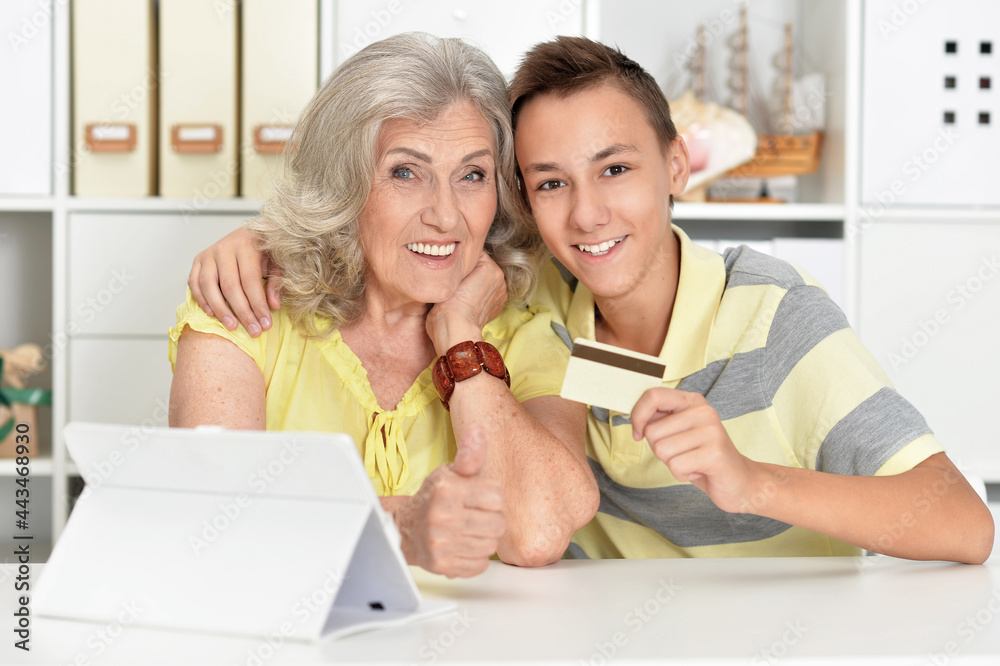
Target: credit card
[610,377]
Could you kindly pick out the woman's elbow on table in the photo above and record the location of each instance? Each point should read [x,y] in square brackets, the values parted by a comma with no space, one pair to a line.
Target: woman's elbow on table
[548,544]
[537,550]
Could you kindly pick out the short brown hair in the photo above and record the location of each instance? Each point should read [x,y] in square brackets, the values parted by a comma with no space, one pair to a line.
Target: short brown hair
[567,65]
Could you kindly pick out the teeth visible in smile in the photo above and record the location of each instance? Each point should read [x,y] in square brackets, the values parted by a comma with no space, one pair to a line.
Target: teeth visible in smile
[431,250]
[603,248]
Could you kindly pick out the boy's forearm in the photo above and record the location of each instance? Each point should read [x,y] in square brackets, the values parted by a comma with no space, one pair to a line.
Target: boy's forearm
[927,513]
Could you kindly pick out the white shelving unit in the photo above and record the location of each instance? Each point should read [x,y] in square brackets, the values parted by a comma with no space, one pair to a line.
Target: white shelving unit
[54,212]
[830,36]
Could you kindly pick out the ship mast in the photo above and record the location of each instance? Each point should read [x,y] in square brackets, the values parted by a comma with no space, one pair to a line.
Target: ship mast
[783,62]
[697,66]
[739,67]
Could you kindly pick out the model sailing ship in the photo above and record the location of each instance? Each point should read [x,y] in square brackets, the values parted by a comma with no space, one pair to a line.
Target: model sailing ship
[718,138]
[784,153]
[792,150]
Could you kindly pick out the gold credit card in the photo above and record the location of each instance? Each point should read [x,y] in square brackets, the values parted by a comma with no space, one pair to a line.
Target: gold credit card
[611,377]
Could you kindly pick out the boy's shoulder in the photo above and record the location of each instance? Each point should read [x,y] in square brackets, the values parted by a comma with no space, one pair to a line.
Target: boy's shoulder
[773,304]
[776,281]
[746,266]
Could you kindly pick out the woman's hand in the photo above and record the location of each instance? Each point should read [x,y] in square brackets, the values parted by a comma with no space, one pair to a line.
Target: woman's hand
[479,298]
[228,275]
[685,432]
[451,526]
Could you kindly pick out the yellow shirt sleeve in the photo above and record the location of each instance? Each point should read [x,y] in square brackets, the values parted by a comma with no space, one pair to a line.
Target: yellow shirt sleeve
[189,313]
[835,405]
[911,455]
[535,357]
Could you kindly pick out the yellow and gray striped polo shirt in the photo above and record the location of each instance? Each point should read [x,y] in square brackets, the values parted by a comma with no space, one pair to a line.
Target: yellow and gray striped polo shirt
[793,385]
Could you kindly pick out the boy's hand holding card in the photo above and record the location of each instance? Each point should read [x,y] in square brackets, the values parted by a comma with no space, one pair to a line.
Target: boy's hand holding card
[611,377]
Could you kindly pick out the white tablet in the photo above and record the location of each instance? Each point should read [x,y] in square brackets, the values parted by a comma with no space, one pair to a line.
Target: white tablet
[243,532]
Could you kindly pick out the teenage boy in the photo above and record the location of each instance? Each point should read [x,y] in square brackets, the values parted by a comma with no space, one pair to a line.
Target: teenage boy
[772,414]
[775,431]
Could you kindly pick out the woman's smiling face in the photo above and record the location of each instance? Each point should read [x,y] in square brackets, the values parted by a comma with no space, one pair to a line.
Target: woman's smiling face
[433,200]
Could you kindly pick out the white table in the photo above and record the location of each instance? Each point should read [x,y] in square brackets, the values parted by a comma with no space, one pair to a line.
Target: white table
[786,611]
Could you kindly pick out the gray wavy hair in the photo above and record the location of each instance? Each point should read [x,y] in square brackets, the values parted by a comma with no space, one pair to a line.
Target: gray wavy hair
[309,225]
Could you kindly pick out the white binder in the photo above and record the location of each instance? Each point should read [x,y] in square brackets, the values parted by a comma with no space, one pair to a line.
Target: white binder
[198,118]
[280,56]
[236,532]
[114,98]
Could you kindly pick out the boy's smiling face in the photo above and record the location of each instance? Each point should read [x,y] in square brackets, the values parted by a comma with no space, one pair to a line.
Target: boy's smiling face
[599,183]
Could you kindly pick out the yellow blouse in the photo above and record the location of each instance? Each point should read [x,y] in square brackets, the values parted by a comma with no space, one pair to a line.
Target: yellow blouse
[318,384]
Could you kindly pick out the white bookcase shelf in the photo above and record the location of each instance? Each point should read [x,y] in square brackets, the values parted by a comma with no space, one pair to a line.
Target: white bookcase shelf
[26,204]
[161,204]
[922,214]
[739,212]
[41,466]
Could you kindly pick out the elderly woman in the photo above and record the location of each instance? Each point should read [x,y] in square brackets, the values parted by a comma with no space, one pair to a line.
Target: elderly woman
[397,210]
